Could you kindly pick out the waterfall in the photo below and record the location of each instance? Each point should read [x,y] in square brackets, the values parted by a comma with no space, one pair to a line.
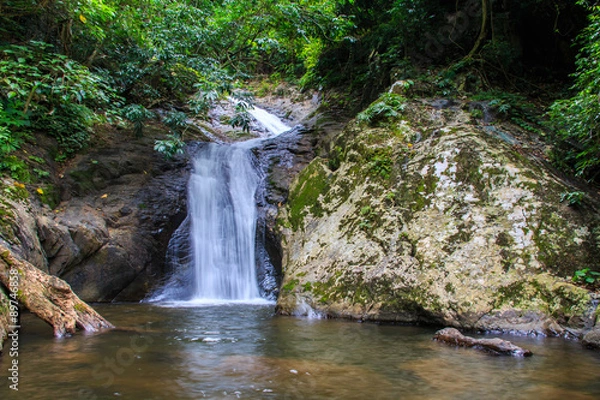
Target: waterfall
[269,121]
[221,197]
[214,251]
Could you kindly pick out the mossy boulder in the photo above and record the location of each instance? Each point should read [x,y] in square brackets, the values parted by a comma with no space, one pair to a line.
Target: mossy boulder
[429,218]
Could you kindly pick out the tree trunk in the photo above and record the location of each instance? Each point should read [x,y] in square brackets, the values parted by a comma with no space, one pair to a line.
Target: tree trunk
[48,297]
[453,337]
[485,9]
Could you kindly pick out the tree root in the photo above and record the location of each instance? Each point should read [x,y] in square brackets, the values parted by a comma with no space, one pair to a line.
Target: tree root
[48,297]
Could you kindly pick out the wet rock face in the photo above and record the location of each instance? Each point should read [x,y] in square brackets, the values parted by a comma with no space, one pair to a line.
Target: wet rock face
[109,235]
[433,219]
[282,159]
[118,235]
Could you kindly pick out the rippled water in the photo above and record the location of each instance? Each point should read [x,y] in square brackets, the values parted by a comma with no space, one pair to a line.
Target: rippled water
[243,351]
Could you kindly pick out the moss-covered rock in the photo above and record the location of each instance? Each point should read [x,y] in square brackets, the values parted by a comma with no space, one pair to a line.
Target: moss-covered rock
[4,317]
[433,219]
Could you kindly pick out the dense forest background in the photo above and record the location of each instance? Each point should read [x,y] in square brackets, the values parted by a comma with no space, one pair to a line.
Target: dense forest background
[69,66]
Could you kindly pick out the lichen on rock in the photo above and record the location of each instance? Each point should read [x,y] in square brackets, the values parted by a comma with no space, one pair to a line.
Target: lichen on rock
[429,220]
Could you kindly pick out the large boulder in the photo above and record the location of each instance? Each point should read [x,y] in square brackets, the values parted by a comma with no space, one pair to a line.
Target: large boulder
[431,218]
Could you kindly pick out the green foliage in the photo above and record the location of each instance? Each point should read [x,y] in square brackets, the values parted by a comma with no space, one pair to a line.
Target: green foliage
[170,147]
[290,286]
[15,192]
[37,79]
[137,115]
[242,117]
[586,276]
[577,120]
[177,121]
[572,198]
[388,106]
[367,218]
[202,101]
[16,168]
[51,93]
[512,107]
[381,165]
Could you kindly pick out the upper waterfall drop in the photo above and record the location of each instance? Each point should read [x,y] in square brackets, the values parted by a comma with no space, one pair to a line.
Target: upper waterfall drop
[271,122]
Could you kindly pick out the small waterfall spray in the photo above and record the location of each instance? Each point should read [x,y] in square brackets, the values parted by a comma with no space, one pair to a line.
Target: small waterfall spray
[220,249]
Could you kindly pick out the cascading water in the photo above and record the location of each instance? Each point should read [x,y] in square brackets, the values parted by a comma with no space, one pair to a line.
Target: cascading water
[214,251]
[223,223]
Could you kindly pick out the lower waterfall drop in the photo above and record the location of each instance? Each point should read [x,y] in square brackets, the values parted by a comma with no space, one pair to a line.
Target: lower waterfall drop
[222,213]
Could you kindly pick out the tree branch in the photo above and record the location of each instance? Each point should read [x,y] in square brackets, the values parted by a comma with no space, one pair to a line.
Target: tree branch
[48,297]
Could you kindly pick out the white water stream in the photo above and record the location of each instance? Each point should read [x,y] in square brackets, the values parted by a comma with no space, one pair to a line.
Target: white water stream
[222,217]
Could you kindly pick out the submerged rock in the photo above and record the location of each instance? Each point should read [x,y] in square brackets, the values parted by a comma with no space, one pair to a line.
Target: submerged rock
[432,219]
[453,337]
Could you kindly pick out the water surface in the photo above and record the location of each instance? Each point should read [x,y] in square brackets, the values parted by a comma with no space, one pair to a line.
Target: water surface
[242,351]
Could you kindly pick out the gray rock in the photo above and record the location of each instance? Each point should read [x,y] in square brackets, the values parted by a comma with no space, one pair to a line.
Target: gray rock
[592,338]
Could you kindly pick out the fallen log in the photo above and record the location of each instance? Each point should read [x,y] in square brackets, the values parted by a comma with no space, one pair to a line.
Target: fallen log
[48,297]
[453,337]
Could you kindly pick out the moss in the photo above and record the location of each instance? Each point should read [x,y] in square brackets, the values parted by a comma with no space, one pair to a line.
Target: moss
[342,186]
[545,294]
[557,248]
[50,195]
[336,156]
[21,296]
[290,286]
[468,171]
[380,162]
[312,183]
[462,235]
[415,193]
[7,220]
[504,239]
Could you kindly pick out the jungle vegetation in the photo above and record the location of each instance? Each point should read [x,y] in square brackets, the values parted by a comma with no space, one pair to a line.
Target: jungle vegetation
[67,66]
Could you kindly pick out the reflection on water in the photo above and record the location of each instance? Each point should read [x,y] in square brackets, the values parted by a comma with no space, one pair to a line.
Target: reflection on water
[243,351]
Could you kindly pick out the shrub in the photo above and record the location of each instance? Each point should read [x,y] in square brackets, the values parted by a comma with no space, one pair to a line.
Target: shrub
[388,106]
[577,120]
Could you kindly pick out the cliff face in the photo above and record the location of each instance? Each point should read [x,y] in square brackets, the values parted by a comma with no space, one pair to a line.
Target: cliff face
[114,209]
[432,218]
[107,234]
